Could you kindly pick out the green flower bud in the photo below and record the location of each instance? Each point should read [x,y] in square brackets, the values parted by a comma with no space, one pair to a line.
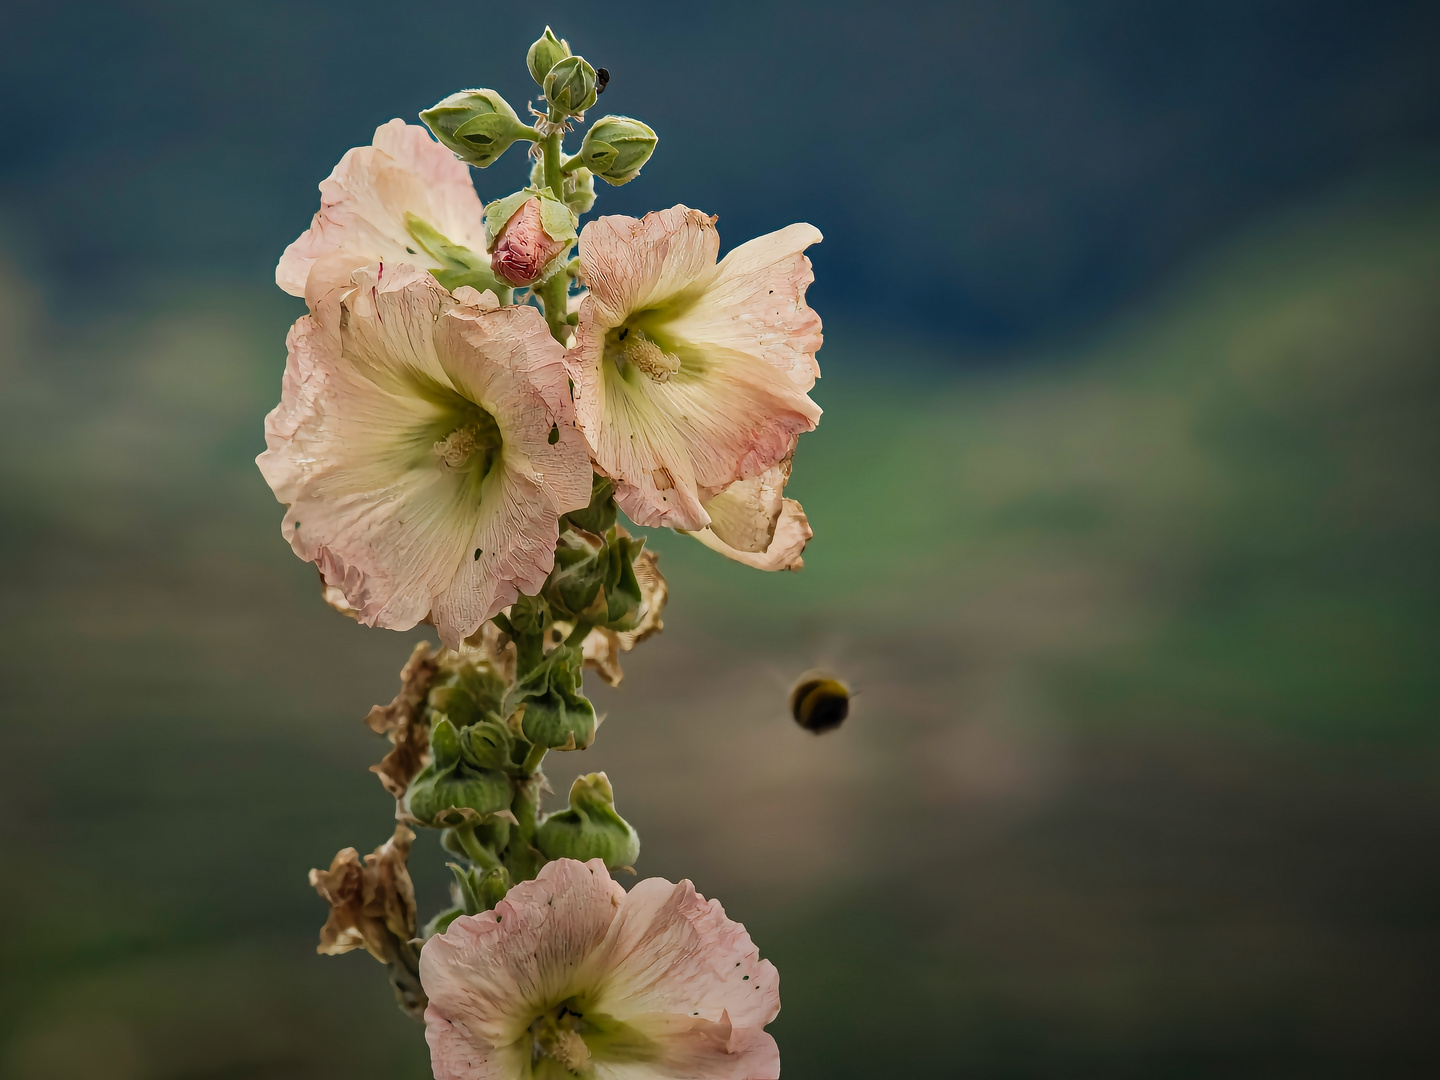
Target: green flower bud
[547,51]
[468,694]
[623,595]
[590,829]
[478,125]
[450,791]
[486,745]
[557,715]
[491,888]
[570,86]
[616,147]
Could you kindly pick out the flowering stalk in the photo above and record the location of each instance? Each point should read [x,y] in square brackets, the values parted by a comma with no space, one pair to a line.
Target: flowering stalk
[454,446]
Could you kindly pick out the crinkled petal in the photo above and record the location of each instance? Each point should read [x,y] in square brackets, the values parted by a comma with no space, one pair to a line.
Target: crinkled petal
[743,516]
[489,975]
[792,533]
[756,305]
[363,204]
[629,264]
[670,950]
[693,1047]
[352,451]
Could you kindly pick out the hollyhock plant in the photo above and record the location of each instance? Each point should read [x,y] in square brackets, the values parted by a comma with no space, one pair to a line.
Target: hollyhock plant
[570,975]
[424,448]
[477,393]
[690,375]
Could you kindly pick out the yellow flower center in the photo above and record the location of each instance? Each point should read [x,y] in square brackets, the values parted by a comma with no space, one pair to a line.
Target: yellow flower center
[556,1035]
[630,347]
[472,444]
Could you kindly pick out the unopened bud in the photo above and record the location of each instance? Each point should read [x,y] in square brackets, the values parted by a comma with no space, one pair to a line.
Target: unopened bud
[570,86]
[819,703]
[478,125]
[547,51]
[523,248]
[590,828]
[616,147]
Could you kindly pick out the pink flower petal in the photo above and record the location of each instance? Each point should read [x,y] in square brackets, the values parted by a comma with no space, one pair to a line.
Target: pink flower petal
[375,379]
[742,338]
[364,201]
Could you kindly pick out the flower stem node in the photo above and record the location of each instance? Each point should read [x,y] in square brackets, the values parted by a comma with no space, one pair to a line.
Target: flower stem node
[616,147]
[590,828]
[477,125]
[570,86]
[547,51]
[577,181]
[532,231]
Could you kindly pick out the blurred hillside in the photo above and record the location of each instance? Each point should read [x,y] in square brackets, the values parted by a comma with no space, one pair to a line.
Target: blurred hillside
[1141,775]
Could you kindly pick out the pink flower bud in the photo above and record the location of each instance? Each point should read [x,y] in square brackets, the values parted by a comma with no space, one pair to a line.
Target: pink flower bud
[524,248]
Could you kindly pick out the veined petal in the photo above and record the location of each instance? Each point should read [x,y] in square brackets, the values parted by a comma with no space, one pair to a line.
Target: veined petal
[756,305]
[670,950]
[364,201]
[489,975]
[412,447]
[792,533]
[630,265]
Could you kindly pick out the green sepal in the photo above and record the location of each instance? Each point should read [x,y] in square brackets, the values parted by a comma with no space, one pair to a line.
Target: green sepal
[459,265]
[544,54]
[622,589]
[574,587]
[590,828]
[499,212]
[468,694]
[557,219]
[578,182]
[465,884]
[557,715]
[599,516]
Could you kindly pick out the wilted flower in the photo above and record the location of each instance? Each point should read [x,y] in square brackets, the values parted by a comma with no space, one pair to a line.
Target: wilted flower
[752,522]
[423,445]
[690,375]
[403,199]
[403,723]
[571,975]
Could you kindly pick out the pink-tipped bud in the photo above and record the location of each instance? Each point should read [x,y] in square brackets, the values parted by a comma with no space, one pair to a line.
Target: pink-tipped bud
[524,249]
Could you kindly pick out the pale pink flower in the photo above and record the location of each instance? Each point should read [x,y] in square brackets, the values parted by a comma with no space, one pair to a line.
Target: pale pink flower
[424,447]
[753,523]
[690,375]
[572,975]
[403,199]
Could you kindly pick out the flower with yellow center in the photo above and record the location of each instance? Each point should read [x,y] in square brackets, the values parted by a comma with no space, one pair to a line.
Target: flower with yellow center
[425,449]
[691,375]
[571,976]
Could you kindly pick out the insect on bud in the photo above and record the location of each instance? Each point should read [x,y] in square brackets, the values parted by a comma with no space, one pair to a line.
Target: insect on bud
[547,51]
[616,147]
[819,703]
[524,250]
[570,86]
[478,125]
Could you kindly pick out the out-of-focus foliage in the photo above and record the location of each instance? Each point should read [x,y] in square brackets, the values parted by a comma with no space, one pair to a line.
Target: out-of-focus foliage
[1140,633]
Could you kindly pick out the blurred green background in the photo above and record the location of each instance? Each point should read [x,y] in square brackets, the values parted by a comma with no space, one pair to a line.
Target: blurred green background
[1126,531]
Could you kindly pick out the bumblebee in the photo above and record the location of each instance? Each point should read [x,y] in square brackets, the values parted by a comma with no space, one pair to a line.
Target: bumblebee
[819,703]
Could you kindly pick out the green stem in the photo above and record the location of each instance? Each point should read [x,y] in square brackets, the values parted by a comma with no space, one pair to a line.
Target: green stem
[554,294]
[533,760]
[578,634]
[477,852]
